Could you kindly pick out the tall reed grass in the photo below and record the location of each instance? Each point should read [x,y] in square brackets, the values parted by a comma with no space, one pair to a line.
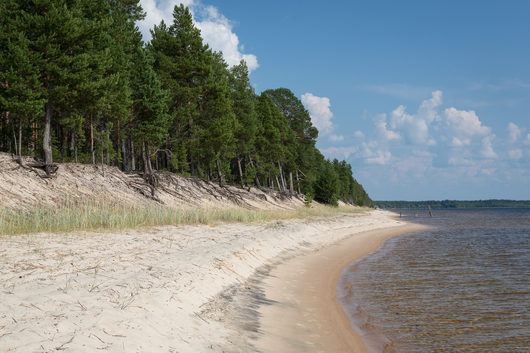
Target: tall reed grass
[99,215]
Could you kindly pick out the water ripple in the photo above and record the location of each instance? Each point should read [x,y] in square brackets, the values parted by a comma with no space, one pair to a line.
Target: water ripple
[461,286]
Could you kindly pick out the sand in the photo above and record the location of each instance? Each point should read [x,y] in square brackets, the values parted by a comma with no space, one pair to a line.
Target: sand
[305,315]
[164,289]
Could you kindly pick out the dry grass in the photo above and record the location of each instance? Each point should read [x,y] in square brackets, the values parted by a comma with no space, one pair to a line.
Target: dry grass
[105,214]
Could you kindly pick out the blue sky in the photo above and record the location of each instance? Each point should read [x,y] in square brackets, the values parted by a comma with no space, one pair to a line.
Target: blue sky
[426,100]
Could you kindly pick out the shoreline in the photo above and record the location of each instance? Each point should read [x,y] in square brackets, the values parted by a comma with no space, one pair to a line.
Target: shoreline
[150,290]
[303,293]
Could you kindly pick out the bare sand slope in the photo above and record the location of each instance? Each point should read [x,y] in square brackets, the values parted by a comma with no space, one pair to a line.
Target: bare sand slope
[165,289]
[22,187]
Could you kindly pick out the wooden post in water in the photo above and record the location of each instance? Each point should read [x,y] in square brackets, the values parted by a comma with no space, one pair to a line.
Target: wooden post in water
[429,208]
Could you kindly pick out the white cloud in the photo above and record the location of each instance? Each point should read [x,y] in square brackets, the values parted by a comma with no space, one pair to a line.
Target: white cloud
[463,126]
[415,127]
[216,29]
[428,108]
[358,134]
[320,111]
[514,132]
[487,149]
[382,129]
[465,122]
[456,142]
[381,157]
[156,11]
[336,138]
[515,154]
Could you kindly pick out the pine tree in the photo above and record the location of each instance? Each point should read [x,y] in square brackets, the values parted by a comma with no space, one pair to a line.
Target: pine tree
[243,106]
[21,92]
[304,151]
[216,120]
[327,184]
[150,101]
[184,65]
[70,65]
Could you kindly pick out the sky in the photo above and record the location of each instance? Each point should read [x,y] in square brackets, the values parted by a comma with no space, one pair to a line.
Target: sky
[426,100]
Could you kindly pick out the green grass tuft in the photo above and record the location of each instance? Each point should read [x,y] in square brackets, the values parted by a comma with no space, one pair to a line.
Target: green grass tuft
[108,215]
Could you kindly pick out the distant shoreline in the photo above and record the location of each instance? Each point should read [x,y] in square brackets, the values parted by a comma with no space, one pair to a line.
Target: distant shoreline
[453,204]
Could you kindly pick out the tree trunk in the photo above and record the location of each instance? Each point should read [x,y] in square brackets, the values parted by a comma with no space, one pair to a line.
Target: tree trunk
[144,160]
[34,137]
[118,141]
[124,156]
[72,144]
[47,140]
[282,178]
[298,182]
[291,187]
[20,140]
[240,170]
[278,183]
[102,165]
[133,160]
[219,173]
[256,179]
[92,140]
[147,160]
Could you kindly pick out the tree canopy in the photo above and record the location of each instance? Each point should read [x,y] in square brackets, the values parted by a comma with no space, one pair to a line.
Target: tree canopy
[78,84]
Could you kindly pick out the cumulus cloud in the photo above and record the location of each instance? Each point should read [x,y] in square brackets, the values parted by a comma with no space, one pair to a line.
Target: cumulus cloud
[215,28]
[514,132]
[382,128]
[487,149]
[463,126]
[445,145]
[320,111]
[450,137]
[217,31]
[415,127]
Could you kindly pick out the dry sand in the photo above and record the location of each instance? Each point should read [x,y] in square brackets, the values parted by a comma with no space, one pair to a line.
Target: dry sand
[166,289]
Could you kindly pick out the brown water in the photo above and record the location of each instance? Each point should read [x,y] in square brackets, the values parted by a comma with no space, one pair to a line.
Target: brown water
[461,286]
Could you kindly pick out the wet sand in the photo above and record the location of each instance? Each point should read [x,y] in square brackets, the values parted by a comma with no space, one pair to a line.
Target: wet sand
[305,315]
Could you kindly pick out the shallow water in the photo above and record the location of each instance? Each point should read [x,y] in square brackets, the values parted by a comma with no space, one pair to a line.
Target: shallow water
[461,286]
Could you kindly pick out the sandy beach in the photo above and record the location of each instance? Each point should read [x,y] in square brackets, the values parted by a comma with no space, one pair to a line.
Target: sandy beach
[180,289]
[305,315]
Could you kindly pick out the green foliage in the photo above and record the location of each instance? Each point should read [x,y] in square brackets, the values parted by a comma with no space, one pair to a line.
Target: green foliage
[327,184]
[77,83]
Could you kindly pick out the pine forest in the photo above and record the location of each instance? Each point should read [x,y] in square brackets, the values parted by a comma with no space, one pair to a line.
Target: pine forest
[78,84]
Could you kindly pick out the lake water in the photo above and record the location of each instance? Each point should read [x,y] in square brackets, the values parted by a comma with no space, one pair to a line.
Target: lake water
[461,286]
